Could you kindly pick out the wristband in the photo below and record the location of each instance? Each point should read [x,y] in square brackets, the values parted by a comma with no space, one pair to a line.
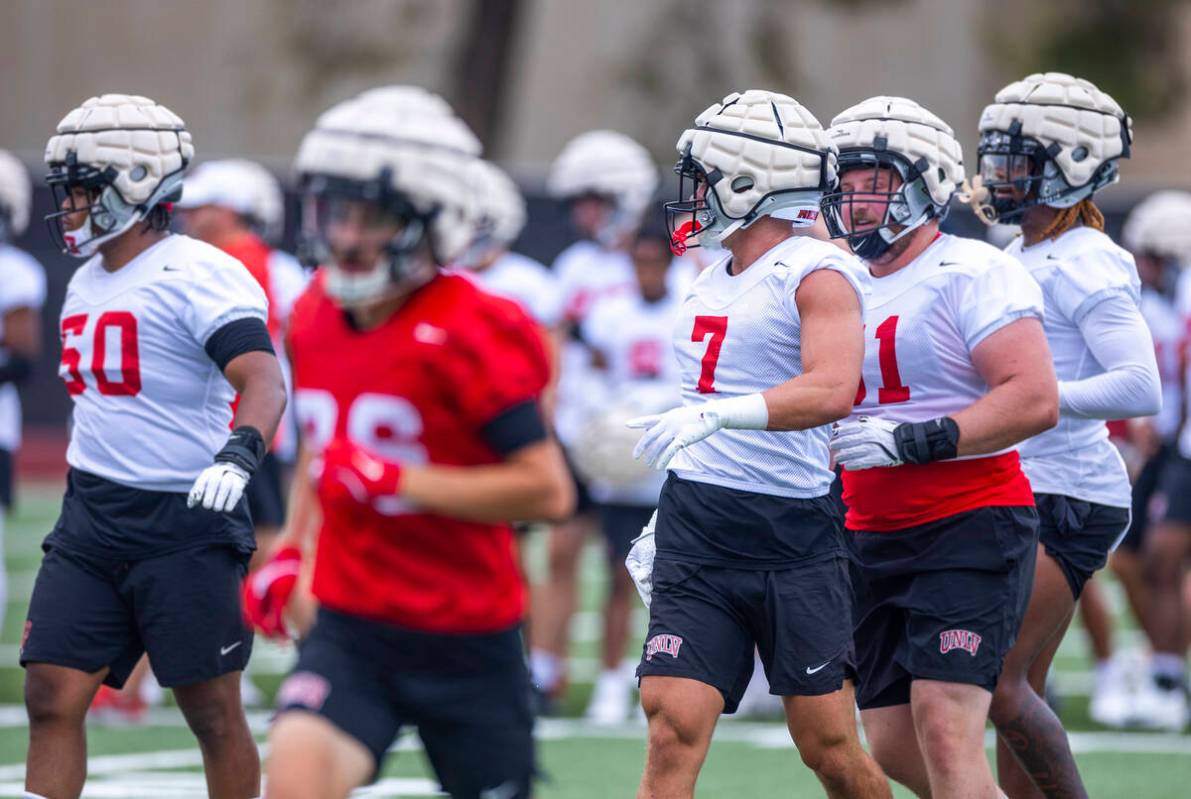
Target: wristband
[743,413]
[245,448]
[924,442]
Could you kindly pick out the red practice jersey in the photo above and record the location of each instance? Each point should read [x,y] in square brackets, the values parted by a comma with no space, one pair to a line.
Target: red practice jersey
[418,389]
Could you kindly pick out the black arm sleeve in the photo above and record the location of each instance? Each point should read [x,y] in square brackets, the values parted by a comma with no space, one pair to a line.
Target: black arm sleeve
[15,369]
[519,426]
[236,338]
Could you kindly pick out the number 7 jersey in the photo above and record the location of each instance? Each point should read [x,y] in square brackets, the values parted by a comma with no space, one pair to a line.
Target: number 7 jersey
[922,324]
[740,334]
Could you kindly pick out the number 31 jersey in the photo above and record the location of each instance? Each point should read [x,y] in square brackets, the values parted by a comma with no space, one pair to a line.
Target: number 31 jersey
[150,406]
[740,334]
[921,325]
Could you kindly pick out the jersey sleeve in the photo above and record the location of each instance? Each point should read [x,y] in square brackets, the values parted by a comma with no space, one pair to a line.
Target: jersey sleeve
[22,281]
[501,363]
[223,291]
[828,256]
[1091,275]
[996,297]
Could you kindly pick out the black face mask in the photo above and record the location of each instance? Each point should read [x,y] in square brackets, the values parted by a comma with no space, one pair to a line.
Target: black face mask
[867,240]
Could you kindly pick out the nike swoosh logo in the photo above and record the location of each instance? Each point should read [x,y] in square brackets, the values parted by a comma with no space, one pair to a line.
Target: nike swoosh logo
[948,263]
[818,668]
[223,650]
[170,269]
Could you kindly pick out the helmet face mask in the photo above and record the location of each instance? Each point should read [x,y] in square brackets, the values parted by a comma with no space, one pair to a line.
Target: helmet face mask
[879,180]
[371,240]
[692,213]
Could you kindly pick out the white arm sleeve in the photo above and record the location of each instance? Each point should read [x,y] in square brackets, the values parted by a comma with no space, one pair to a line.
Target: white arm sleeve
[1117,336]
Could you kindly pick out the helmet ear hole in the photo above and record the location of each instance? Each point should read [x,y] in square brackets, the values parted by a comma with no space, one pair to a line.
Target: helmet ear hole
[138,173]
[1079,153]
[742,183]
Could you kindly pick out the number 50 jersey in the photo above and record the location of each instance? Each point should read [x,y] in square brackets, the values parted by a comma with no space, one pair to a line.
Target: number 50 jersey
[921,325]
[739,334]
[150,406]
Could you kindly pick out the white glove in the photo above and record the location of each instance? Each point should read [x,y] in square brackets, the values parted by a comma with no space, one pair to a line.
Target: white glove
[640,560]
[865,444]
[219,487]
[669,432]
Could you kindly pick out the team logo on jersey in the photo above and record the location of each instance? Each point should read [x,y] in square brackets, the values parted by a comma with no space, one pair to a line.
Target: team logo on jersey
[303,688]
[959,639]
[665,643]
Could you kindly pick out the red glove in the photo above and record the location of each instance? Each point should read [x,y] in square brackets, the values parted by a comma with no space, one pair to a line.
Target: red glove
[350,473]
[267,591]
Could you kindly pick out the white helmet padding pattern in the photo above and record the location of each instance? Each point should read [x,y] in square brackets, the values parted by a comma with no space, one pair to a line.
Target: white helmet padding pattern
[608,164]
[16,197]
[893,133]
[498,213]
[756,153]
[1068,133]
[127,148]
[1160,225]
[403,148]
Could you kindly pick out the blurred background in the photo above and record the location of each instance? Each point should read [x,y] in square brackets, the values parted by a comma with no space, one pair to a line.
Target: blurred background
[250,76]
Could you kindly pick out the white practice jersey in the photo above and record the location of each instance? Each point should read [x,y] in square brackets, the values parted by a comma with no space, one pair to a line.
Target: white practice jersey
[522,279]
[587,274]
[636,339]
[287,280]
[151,408]
[1077,271]
[740,334]
[922,323]
[1167,328]
[22,285]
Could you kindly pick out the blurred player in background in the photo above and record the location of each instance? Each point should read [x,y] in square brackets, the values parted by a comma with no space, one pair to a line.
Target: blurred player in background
[607,181]
[631,337]
[499,219]
[1158,234]
[159,332]
[1047,143]
[749,546]
[22,293]
[238,206]
[939,512]
[418,397]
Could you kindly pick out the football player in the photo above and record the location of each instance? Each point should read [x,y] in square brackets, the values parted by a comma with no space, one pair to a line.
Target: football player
[22,293]
[237,206]
[1047,143]
[417,394]
[749,546]
[607,180]
[631,337]
[159,332]
[499,219]
[939,513]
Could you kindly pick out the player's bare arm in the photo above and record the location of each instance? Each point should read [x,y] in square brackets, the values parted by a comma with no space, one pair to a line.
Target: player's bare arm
[1023,396]
[257,378]
[531,483]
[832,353]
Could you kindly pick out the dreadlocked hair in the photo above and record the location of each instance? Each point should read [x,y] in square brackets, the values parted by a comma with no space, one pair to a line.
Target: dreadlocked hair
[1083,213]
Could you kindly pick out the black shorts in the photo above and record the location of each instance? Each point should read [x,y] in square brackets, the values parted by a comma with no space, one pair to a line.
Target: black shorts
[6,480]
[620,524]
[705,621]
[265,502]
[940,601]
[1078,535]
[1175,486]
[468,696]
[183,608]
[1147,496]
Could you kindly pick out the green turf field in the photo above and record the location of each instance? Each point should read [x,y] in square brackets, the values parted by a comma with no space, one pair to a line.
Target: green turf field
[748,759]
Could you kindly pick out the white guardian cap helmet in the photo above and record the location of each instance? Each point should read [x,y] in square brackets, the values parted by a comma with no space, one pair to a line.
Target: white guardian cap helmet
[1160,226]
[498,213]
[611,165]
[402,154]
[245,187]
[753,154]
[892,133]
[16,197]
[1048,139]
[128,153]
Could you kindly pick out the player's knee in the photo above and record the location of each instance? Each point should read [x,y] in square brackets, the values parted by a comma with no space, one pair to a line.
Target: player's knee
[670,730]
[828,755]
[214,724]
[47,702]
[940,744]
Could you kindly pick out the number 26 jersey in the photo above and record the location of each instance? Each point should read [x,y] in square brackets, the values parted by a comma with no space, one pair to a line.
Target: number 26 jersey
[740,334]
[922,324]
